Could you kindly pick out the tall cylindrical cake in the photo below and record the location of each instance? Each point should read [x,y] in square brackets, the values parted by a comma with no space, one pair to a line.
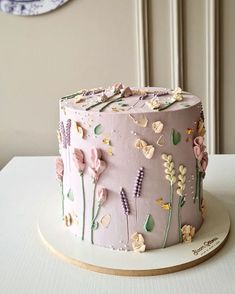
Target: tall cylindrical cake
[132,165]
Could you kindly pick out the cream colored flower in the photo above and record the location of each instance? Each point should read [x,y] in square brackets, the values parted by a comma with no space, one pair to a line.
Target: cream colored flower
[79,99]
[138,242]
[103,98]
[59,136]
[181,180]
[188,233]
[140,144]
[153,103]
[139,92]
[170,170]
[68,220]
[177,94]
[157,126]
[148,151]
[79,129]
[201,128]
[142,120]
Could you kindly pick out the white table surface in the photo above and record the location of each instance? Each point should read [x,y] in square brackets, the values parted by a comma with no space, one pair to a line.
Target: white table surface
[27,266]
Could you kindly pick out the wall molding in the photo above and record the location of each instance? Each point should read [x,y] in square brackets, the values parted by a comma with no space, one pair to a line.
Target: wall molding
[212,75]
[141,7]
[176,41]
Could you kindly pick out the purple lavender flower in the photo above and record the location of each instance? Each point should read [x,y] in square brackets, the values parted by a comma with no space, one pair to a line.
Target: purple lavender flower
[125,203]
[68,129]
[138,183]
[63,135]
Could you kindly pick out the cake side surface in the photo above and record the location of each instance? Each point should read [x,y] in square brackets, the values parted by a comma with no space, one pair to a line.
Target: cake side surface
[134,167]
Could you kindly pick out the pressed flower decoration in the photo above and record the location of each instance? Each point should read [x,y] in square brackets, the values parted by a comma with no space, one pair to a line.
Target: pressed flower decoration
[137,241]
[60,176]
[68,220]
[97,168]
[157,127]
[141,121]
[188,233]
[79,162]
[153,104]
[148,150]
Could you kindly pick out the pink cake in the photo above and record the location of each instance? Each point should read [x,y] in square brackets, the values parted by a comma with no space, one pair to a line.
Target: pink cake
[131,167]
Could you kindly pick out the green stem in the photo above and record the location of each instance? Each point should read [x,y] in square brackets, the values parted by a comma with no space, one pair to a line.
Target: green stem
[127,229]
[84,206]
[110,102]
[169,218]
[199,189]
[97,213]
[94,105]
[196,184]
[179,218]
[93,212]
[98,103]
[168,105]
[71,95]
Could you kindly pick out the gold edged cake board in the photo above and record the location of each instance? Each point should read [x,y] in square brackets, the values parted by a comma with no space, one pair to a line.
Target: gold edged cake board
[207,242]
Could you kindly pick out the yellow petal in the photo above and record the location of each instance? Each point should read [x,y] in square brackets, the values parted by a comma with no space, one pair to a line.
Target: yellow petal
[110,151]
[166,206]
[106,141]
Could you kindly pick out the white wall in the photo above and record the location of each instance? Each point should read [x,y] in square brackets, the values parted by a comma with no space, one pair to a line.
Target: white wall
[89,43]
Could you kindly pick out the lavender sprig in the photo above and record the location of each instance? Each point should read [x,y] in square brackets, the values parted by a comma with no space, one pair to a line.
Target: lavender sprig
[68,131]
[138,183]
[126,207]
[124,201]
[63,135]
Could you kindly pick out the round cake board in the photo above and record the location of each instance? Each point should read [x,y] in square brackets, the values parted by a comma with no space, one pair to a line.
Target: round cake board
[207,241]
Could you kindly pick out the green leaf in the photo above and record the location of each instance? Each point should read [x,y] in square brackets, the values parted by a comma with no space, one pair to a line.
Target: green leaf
[70,195]
[175,136]
[149,223]
[182,201]
[94,225]
[98,130]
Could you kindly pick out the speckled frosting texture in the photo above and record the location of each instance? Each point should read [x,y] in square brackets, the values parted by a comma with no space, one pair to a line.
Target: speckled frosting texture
[140,181]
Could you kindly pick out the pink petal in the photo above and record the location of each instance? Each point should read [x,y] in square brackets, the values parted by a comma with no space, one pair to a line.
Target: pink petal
[100,167]
[198,141]
[78,158]
[204,162]
[92,173]
[102,195]
[95,155]
[59,168]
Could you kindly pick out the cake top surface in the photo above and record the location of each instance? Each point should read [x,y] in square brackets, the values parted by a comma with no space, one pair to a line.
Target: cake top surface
[124,99]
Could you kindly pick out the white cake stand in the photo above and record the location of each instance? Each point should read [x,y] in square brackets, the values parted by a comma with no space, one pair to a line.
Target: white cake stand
[209,240]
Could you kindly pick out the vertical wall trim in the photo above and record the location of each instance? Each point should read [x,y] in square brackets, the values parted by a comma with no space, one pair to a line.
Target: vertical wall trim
[142,42]
[212,76]
[176,35]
